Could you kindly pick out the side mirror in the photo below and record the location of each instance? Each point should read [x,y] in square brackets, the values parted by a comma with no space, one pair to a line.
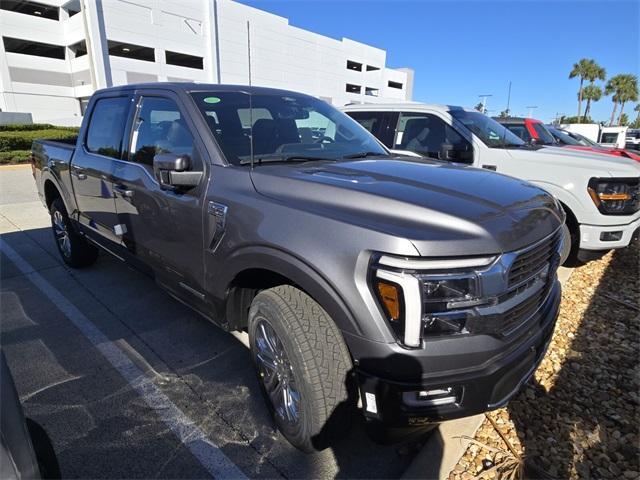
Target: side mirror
[453,153]
[171,170]
[533,141]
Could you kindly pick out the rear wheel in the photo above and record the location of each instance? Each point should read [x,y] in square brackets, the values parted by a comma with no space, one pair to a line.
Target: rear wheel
[74,249]
[303,367]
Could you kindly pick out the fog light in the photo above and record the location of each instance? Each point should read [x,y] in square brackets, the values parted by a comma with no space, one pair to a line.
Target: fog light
[610,236]
[431,398]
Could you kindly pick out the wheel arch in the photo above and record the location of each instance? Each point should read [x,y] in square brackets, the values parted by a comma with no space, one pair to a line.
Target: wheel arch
[256,268]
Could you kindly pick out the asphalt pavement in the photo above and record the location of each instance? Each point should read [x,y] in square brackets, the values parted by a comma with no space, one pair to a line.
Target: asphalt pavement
[130,383]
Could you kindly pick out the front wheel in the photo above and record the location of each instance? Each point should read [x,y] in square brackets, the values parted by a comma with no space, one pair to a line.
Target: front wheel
[74,249]
[303,367]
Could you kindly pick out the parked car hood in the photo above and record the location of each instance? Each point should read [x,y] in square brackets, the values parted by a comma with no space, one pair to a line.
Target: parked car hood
[599,164]
[443,209]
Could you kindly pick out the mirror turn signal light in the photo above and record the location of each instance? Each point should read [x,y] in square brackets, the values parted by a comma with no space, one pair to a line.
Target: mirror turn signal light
[390,298]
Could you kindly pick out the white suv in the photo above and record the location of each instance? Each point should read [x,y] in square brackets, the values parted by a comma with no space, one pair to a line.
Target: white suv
[599,193]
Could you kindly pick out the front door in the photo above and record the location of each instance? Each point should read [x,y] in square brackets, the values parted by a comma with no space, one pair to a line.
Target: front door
[163,227]
[93,164]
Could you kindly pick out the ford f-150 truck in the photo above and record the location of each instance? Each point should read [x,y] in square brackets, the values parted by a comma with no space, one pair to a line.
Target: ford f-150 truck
[599,193]
[419,290]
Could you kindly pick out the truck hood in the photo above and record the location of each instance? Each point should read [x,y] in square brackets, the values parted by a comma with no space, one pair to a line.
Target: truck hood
[598,164]
[443,209]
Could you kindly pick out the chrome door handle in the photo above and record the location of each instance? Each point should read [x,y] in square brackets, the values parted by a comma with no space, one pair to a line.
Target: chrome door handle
[78,173]
[123,191]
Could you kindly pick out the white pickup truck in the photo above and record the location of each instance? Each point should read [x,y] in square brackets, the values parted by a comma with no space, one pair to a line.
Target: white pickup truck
[599,193]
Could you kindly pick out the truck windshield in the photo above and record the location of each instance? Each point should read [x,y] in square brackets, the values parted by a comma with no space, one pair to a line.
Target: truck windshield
[282,127]
[544,136]
[562,137]
[492,134]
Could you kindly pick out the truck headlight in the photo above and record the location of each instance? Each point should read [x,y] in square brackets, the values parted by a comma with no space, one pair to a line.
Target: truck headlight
[615,196]
[417,295]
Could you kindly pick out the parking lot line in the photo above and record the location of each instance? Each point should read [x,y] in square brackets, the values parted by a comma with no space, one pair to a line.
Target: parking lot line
[210,456]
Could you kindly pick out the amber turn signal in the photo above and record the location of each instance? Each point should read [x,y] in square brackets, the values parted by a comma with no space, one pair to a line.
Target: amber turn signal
[390,298]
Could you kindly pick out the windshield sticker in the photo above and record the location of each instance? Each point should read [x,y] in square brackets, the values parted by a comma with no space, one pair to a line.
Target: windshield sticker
[211,100]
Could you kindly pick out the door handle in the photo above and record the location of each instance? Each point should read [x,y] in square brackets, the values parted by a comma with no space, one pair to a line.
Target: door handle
[123,191]
[78,173]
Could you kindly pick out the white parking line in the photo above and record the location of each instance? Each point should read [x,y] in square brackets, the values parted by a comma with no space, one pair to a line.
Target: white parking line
[207,453]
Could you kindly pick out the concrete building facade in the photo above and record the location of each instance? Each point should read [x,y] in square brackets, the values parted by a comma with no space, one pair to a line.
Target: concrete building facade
[55,53]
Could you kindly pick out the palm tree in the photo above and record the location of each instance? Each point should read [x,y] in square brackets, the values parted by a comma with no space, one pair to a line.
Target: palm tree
[624,88]
[586,69]
[591,93]
[637,109]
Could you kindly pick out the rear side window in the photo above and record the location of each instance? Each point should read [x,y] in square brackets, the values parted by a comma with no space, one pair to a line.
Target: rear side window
[106,126]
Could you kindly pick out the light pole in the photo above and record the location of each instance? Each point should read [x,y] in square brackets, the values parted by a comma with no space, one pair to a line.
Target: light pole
[531,107]
[484,101]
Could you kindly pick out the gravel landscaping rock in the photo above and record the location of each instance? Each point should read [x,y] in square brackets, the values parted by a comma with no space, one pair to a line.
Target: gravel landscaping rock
[579,417]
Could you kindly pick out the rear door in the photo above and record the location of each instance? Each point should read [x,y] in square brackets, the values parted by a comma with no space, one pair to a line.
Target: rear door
[163,227]
[93,163]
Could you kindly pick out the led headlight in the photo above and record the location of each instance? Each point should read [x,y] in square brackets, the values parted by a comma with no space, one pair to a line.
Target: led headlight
[615,196]
[416,298]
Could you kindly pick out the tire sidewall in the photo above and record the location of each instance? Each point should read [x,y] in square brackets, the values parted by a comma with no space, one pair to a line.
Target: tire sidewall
[267,311]
[58,206]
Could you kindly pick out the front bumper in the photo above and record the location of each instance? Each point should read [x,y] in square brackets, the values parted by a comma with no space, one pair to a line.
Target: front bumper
[590,235]
[487,386]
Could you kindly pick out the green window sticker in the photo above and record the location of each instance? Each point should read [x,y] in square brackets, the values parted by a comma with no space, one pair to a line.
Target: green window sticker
[211,100]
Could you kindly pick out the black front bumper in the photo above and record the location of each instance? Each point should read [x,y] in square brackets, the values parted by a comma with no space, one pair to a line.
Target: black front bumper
[491,385]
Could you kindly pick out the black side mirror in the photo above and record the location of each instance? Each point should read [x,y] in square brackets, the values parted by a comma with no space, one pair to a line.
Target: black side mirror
[455,153]
[171,170]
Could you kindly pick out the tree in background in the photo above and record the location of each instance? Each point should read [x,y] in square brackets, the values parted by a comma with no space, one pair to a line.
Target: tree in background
[624,88]
[479,107]
[591,93]
[504,113]
[586,69]
[623,121]
[636,122]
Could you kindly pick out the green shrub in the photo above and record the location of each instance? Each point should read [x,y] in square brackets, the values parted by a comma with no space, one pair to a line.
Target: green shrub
[32,126]
[15,156]
[22,140]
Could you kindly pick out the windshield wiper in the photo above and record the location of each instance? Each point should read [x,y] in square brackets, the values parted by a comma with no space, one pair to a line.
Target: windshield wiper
[282,159]
[365,155]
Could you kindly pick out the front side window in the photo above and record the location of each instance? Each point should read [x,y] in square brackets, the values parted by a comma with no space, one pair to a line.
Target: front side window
[159,128]
[278,127]
[106,126]
[426,134]
[490,132]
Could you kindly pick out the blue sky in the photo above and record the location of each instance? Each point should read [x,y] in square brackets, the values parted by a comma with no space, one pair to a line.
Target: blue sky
[460,49]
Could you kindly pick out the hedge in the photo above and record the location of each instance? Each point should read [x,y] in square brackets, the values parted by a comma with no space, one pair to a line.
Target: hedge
[22,139]
[33,126]
[15,156]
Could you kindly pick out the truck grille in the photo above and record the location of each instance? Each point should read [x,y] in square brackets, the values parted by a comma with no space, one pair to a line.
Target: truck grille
[531,261]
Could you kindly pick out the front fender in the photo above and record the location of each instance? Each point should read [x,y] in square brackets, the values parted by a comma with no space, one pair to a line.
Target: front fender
[565,196]
[294,269]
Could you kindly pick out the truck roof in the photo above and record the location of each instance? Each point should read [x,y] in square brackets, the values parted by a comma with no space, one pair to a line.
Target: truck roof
[195,87]
[413,106]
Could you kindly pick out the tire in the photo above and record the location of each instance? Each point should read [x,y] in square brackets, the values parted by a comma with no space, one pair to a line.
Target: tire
[569,253]
[314,365]
[73,248]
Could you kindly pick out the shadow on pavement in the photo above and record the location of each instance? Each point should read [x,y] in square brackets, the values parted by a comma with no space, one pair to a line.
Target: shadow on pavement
[98,425]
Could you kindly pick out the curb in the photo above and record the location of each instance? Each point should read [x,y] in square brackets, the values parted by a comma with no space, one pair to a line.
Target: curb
[15,166]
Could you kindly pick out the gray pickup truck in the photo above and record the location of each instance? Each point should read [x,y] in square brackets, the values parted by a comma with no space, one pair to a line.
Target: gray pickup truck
[418,290]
